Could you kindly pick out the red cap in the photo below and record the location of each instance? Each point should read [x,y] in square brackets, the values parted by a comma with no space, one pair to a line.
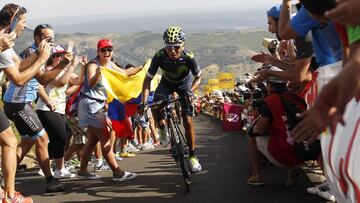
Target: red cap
[104,43]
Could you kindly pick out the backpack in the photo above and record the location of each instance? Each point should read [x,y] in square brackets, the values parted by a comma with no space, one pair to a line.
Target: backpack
[73,100]
[293,105]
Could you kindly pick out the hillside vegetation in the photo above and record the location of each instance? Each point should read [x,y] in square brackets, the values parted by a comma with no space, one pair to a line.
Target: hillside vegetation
[215,51]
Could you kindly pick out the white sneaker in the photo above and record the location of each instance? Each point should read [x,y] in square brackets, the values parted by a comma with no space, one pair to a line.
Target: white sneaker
[125,177]
[132,148]
[195,165]
[323,191]
[147,146]
[118,157]
[40,172]
[164,138]
[63,173]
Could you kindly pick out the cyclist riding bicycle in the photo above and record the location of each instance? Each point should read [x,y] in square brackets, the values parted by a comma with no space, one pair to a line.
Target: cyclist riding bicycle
[176,65]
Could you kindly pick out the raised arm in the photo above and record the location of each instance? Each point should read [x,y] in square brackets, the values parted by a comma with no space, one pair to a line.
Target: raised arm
[65,78]
[285,31]
[21,78]
[127,72]
[44,77]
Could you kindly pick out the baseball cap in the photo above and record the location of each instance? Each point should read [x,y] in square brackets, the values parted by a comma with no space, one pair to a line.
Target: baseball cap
[274,11]
[104,43]
[57,50]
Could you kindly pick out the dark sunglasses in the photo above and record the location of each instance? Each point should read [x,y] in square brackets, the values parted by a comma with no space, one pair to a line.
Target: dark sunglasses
[106,50]
[59,55]
[173,47]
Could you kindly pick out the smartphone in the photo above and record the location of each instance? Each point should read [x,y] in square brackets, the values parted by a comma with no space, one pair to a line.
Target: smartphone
[13,24]
[70,46]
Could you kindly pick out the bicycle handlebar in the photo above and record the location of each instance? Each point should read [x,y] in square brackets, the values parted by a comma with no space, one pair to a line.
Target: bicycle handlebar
[164,102]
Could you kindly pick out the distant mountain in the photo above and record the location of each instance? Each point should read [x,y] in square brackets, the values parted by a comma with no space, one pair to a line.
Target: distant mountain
[215,51]
[191,21]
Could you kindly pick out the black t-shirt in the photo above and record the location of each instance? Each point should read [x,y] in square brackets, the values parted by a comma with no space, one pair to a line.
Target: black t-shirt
[304,48]
[174,70]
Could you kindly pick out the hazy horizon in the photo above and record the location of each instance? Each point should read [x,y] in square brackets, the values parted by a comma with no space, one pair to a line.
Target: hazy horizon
[42,9]
[113,16]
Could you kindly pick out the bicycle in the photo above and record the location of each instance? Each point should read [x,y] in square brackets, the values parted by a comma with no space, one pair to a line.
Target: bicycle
[178,142]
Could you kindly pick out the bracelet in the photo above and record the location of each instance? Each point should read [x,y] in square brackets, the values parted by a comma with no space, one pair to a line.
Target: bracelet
[37,52]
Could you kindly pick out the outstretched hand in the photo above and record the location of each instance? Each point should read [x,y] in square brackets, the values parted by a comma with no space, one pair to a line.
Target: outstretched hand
[260,76]
[346,12]
[312,125]
[262,58]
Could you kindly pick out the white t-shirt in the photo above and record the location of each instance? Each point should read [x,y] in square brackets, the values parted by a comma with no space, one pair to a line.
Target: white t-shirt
[6,58]
[56,95]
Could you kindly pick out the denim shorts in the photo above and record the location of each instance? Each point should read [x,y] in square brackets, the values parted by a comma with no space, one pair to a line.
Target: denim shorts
[88,119]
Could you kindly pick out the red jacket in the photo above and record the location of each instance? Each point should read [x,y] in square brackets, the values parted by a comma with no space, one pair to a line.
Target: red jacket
[280,145]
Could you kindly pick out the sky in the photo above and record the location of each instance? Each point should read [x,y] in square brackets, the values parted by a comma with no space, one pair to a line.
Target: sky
[40,9]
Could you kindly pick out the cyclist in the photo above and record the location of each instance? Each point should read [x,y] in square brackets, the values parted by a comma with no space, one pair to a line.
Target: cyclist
[176,64]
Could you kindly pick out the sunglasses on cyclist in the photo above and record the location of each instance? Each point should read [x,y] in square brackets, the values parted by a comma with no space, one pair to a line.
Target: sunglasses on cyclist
[170,47]
[103,50]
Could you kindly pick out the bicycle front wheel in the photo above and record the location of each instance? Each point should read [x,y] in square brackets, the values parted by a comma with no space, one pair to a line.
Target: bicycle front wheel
[183,156]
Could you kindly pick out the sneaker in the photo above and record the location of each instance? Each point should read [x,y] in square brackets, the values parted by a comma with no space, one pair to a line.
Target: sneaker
[18,198]
[89,176]
[147,146]
[41,173]
[117,157]
[125,177]
[164,138]
[55,186]
[70,167]
[254,180]
[195,165]
[132,148]
[322,190]
[102,167]
[134,142]
[63,173]
[156,143]
[127,155]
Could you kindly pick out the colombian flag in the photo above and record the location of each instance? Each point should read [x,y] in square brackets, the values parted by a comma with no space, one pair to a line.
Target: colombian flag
[123,97]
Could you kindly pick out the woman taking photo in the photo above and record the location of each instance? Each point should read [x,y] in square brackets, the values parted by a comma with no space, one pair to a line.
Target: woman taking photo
[51,108]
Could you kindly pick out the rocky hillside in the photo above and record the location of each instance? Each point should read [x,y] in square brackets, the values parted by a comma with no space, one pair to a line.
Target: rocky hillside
[215,51]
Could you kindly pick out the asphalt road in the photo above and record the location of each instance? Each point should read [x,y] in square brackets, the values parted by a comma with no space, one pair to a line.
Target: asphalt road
[226,167]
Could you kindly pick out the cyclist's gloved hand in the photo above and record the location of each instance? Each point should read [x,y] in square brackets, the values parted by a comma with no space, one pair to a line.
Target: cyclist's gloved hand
[143,107]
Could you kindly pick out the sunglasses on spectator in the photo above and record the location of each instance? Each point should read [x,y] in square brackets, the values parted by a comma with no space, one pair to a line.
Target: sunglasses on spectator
[59,55]
[103,50]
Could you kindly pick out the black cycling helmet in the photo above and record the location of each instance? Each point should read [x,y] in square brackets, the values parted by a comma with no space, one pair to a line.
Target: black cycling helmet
[173,35]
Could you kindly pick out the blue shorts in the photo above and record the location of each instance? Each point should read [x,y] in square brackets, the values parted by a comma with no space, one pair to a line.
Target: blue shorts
[166,88]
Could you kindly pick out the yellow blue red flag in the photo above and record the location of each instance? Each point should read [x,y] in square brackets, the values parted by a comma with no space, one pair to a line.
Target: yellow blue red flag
[123,96]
